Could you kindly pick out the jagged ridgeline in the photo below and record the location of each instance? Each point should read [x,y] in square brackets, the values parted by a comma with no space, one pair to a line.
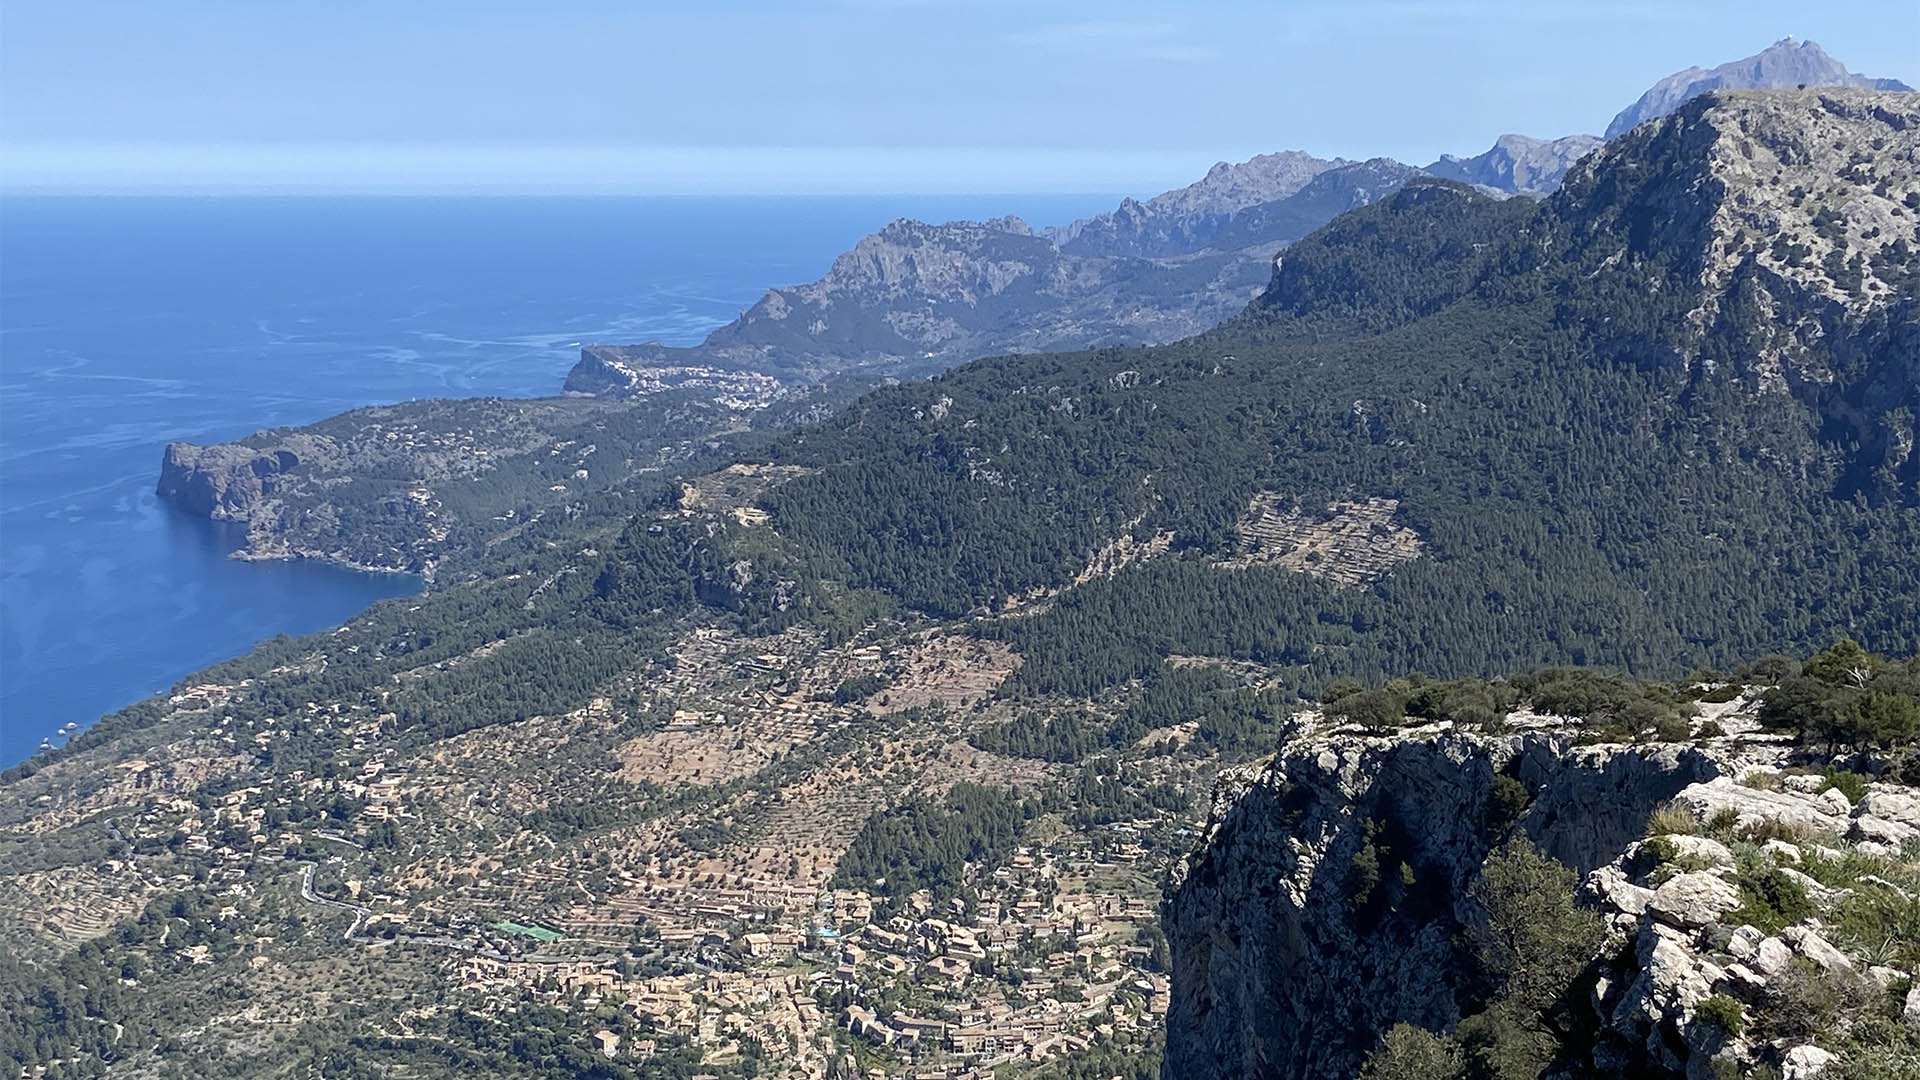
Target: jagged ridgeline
[1664,418]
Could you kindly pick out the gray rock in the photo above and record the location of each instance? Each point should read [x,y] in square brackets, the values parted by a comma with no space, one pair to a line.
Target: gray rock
[1818,893]
[1804,1063]
[1771,957]
[1693,900]
[1900,807]
[1609,885]
[1755,807]
[1700,848]
[1882,831]
[1816,948]
[1910,1012]
[1745,983]
[1782,850]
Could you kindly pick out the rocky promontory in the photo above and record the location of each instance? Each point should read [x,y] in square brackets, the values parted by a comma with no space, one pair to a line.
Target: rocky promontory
[225,482]
[1722,900]
[403,488]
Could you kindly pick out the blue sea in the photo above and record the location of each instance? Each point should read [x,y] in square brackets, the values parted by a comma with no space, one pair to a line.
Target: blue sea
[129,322]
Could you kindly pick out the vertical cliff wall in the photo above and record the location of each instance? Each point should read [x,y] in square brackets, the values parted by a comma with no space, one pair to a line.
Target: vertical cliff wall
[1328,899]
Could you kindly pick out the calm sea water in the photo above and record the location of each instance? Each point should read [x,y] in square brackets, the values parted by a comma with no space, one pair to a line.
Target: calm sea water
[128,322]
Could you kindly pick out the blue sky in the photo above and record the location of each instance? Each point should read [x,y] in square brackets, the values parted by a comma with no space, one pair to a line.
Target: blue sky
[842,95]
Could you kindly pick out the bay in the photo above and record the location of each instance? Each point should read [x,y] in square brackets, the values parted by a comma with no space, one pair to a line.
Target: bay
[129,322]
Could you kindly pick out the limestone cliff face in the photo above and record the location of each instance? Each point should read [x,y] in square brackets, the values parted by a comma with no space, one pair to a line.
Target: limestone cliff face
[1717,915]
[1284,967]
[225,482]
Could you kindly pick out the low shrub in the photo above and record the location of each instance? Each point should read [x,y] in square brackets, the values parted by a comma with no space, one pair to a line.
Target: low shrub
[1723,1012]
[1769,899]
[1850,784]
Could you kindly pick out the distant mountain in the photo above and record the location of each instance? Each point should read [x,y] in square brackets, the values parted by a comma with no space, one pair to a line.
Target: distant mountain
[1517,164]
[1324,198]
[1783,65]
[916,298]
[1185,220]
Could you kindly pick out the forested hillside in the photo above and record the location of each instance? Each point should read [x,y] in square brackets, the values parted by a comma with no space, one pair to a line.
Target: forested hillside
[1605,461]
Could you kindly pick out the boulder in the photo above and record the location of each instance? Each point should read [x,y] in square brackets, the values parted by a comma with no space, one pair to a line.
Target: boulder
[1744,941]
[1816,948]
[1804,1063]
[1755,807]
[1882,831]
[1745,983]
[1609,886]
[1897,806]
[1693,900]
[1771,957]
[1782,850]
[1699,848]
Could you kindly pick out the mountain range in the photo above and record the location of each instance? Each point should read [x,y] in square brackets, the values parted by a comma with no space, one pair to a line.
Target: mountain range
[915,298]
[907,301]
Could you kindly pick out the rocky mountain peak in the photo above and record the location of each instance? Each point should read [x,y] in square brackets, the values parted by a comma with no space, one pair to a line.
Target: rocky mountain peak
[1183,217]
[1784,65]
[1813,194]
[1519,164]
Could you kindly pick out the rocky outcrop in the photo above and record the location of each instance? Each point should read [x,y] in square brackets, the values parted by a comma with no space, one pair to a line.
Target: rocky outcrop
[1785,65]
[1751,892]
[1288,963]
[1695,941]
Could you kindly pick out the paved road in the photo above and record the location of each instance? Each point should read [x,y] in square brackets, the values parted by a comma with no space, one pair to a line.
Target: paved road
[360,911]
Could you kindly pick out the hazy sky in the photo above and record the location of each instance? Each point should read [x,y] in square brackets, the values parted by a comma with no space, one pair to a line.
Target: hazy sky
[854,95]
